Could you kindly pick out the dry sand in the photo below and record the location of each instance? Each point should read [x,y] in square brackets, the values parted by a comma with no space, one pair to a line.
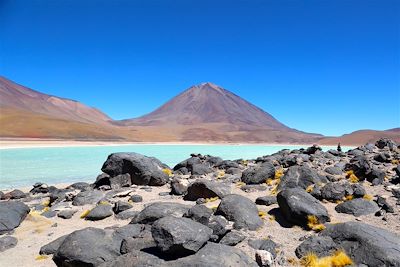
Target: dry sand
[37,231]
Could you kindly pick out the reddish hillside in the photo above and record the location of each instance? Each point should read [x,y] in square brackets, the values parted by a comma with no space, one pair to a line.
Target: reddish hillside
[362,137]
[18,97]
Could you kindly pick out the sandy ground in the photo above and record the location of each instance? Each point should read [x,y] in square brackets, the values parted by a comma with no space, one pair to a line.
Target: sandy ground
[37,231]
[29,143]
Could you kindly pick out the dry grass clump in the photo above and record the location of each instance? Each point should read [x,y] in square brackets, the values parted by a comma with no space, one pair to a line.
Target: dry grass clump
[211,199]
[368,197]
[313,223]
[41,257]
[46,203]
[84,214]
[337,259]
[240,184]
[310,188]
[396,161]
[103,202]
[168,172]
[278,173]
[349,197]
[262,214]
[220,174]
[352,177]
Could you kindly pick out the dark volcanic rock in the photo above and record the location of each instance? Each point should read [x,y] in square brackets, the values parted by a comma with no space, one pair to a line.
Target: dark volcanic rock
[15,194]
[300,176]
[366,244]
[334,170]
[136,258]
[180,236]
[241,210]
[66,214]
[336,191]
[232,238]
[7,242]
[122,180]
[12,213]
[136,198]
[218,224]
[126,214]
[39,188]
[357,207]
[87,197]
[199,213]
[203,188]
[159,210]
[258,175]
[53,246]
[296,205]
[87,247]
[79,185]
[121,206]
[266,200]
[320,245]
[100,212]
[360,166]
[178,188]
[264,244]
[216,255]
[142,170]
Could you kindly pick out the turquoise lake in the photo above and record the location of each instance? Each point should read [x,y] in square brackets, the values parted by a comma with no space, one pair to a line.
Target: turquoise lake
[23,167]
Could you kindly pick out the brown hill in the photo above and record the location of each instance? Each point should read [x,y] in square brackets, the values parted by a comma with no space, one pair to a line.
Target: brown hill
[209,112]
[362,137]
[21,98]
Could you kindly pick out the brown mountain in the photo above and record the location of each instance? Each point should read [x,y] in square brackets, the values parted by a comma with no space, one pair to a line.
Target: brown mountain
[19,97]
[209,112]
[362,137]
[204,113]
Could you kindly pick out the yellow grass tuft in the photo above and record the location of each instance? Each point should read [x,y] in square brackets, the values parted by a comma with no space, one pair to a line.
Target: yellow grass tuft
[278,173]
[349,197]
[270,181]
[367,197]
[45,209]
[46,203]
[103,202]
[167,172]
[292,261]
[211,199]
[41,257]
[272,218]
[245,162]
[262,214]
[313,223]
[396,161]
[337,259]
[352,177]
[310,188]
[35,213]
[274,191]
[240,184]
[84,214]
[220,174]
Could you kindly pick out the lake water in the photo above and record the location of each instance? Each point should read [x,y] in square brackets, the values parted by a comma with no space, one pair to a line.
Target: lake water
[24,166]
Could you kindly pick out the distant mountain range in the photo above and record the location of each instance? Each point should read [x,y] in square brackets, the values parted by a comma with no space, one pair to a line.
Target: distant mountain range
[202,113]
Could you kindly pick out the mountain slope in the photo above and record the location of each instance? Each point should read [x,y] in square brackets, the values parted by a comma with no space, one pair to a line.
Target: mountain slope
[362,137]
[209,112]
[15,96]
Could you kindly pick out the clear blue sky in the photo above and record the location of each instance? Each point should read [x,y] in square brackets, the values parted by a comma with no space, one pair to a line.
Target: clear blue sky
[330,67]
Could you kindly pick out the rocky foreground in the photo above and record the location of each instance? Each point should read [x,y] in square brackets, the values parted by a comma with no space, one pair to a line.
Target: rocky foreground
[293,208]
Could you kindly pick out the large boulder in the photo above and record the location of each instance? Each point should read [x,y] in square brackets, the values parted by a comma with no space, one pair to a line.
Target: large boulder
[336,191]
[12,213]
[321,246]
[180,236]
[366,244]
[88,247]
[99,212]
[297,205]
[259,174]
[158,210]
[88,197]
[142,170]
[300,176]
[216,255]
[241,210]
[53,246]
[136,258]
[357,207]
[203,188]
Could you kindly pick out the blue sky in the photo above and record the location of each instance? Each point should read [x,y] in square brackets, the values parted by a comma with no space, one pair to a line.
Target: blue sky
[330,67]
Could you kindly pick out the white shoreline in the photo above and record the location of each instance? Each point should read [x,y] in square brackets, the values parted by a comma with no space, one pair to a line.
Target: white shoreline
[12,144]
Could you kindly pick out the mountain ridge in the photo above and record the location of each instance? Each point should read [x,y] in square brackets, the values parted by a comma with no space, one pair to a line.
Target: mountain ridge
[202,113]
